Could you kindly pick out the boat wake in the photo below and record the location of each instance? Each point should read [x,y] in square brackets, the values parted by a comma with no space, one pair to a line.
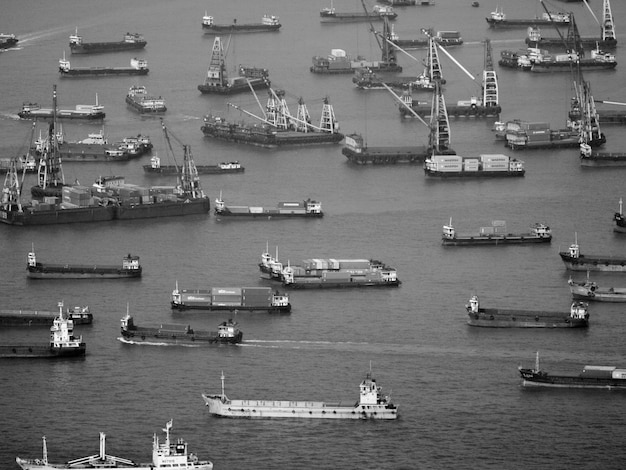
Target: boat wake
[10,116]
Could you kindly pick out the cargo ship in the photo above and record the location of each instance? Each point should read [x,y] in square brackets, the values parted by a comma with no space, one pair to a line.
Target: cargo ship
[280,129]
[377,13]
[599,60]
[139,100]
[261,299]
[498,19]
[79,315]
[574,261]
[357,151]
[131,41]
[618,217]
[62,344]
[339,273]
[8,40]
[155,168]
[591,291]
[269,23]
[366,79]
[227,332]
[96,148]
[602,377]
[521,135]
[308,208]
[217,81]
[372,404]
[81,111]
[483,166]
[338,62]
[445,38]
[591,158]
[164,455]
[496,234]
[577,317]
[137,67]
[130,268]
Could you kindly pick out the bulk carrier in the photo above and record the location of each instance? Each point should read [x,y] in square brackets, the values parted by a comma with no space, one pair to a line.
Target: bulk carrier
[130,41]
[260,299]
[130,268]
[269,23]
[577,317]
[372,404]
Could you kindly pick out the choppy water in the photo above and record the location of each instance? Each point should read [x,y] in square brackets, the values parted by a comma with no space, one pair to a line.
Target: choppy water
[457,388]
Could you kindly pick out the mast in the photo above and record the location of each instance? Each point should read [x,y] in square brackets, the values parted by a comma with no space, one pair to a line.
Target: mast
[432,60]
[439,139]
[608,27]
[303,117]
[50,171]
[490,79]
[216,73]
[328,122]
[223,394]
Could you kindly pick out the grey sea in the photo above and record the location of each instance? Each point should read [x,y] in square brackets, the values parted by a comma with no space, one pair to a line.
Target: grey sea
[460,399]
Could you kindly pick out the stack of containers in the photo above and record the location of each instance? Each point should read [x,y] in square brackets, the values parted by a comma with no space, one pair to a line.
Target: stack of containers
[76,196]
[256,296]
[495,162]
[226,296]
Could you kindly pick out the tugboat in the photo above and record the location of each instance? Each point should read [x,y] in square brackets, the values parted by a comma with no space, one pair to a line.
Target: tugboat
[602,377]
[372,404]
[130,268]
[167,455]
[228,332]
[62,344]
[574,261]
[496,235]
[578,317]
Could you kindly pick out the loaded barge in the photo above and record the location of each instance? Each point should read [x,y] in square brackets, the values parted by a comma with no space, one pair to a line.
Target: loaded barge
[139,100]
[269,23]
[130,268]
[262,299]
[577,317]
[483,166]
[338,62]
[95,148]
[79,315]
[356,151]
[496,234]
[227,332]
[63,343]
[599,377]
[521,135]
[372,404]
[307,208]
[155,168]
[131,41]
[574,261]
[137,67]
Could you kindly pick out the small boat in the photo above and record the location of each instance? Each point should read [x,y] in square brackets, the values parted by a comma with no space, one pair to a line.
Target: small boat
[228,332]
[130,268]
[372,404]
[590,290]
[138,99]
[574,261]
[155,167]
[577,317]
[601,377]
[496,234]
[618,217]
[129,42]
[269,23]
[79,315]
[166,455]
[7,40]
[307,208]
[62,343]
[137,67]
[475,4]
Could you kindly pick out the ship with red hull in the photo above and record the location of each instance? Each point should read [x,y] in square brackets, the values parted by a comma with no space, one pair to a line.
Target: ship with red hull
[131,41]
[593,377]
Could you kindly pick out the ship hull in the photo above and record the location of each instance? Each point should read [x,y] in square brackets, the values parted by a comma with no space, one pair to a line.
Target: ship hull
[266,138]
[62,114]
[601,159]
[593,263]
[598,294]
[565,66]
[353,18]
[76,152]
[37,318]
[474,174]
[585,42]
[266,214]
[142,108]
[101,47]
[499,318]
[38,465]
[102,72]
[36,352]
[543,379]
[386,155]
[202,170]
[296,409]
[58,216]
[319,283]
[454,110]
[523,23]
[477,239]
[163,209]
[231,308]
[43,271]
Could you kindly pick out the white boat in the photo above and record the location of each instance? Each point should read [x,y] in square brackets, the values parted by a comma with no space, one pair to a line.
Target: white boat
[372,404]
[166,455]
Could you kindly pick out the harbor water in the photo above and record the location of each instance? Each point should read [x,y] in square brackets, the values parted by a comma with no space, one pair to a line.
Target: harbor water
[460,399]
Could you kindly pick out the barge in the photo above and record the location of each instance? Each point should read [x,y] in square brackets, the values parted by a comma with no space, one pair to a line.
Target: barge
[131,41]
[337,62]
[79,315]
[577,317]
[377,13]
[261,299]
[483,166]
[474,107]
[574,261]
[595,377]
[137,67]
[139,100]
[591,291]
[356,151]
[166,455]
[62,343]
[594,158]
[81,111]
[308,209]
[521,135]
[599,60]
[498,19]
[372,404]
[155,168]
[269,23]
[496,234]
[227,332]
[130,268]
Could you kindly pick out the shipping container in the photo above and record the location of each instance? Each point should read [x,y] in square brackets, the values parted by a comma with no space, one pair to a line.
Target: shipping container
[226,291]
[494,158]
